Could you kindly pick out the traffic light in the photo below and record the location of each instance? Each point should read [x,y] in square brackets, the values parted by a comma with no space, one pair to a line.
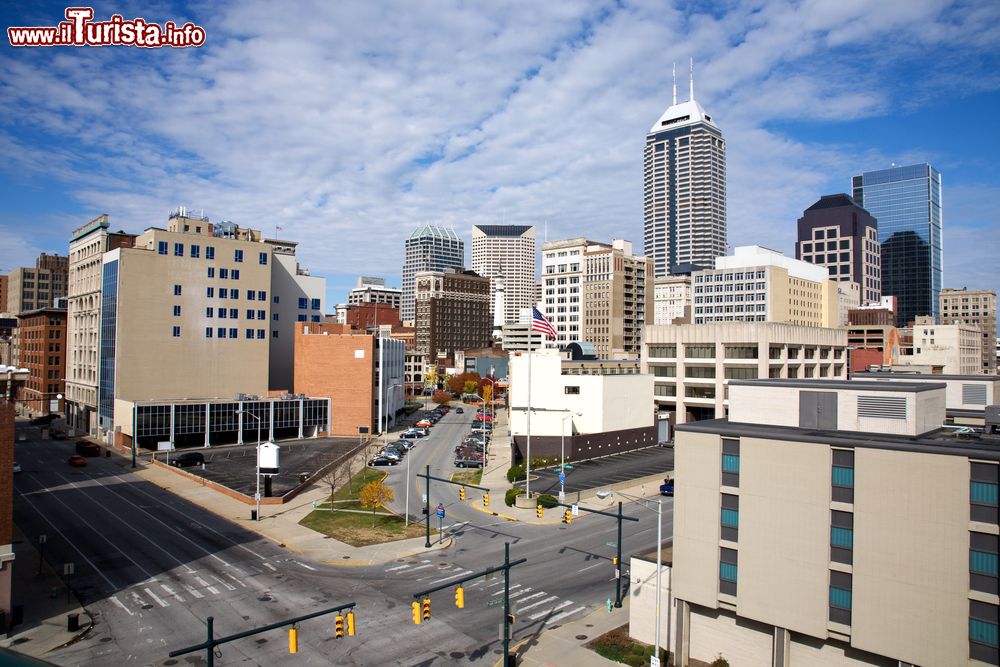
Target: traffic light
[293,640]
[568,517]
[415,607]
[614,561]
[460,597]
[427,609]
[339,626]
[461,493]
[486,499]
[538,510]
[350,624]
[510,619]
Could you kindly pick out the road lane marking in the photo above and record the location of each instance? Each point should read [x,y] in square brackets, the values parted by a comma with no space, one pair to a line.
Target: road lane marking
[228,586]
[213,590]
[589,567]
[193,591]
[398,567]
[160,601]
[532,596]
[421,567]
[564,603]
[511,588]
[171,591]
[458,573]
[535,604]
[270,567]
[520,592]
[114,598]
[308,567]
[565,614]
[235,579]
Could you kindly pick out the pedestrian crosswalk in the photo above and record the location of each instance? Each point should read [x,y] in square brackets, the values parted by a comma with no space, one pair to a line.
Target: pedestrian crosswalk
[529,603]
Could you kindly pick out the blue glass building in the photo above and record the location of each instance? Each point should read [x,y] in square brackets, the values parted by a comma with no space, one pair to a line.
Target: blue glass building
[906,202]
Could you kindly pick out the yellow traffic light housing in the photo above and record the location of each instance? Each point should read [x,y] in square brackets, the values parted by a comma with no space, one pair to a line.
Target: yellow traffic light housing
[614,561]
[460,597]
[427,609]
[293,640]
[568,517]
[415,607]
[350,624]
[486,499]
[461,493]
[538,510]
[339,626]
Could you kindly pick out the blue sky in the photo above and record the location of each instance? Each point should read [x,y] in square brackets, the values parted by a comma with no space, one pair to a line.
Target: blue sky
[348,124]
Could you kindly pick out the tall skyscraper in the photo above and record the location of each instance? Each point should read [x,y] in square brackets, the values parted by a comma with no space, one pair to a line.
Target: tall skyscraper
[429,248]
[507,250]
[840,235]
[906,202]
[684,188]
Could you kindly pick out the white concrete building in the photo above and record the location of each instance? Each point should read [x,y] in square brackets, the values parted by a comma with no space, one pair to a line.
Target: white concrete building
[296,296]
[957,348]
[671,296]
[369,289]
[507,250]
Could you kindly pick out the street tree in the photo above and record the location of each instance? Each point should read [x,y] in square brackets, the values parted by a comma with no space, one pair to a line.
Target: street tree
[375,494]
[441,397]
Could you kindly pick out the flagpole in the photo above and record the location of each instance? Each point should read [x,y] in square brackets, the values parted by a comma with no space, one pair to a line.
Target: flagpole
[527,465]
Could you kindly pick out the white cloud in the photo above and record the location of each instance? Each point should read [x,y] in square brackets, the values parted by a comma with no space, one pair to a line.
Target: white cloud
[354,126]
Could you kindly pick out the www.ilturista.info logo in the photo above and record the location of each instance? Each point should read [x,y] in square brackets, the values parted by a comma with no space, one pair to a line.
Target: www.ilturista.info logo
[79,29]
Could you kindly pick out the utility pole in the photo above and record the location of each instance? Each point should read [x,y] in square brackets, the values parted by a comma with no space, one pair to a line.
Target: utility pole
[427,495]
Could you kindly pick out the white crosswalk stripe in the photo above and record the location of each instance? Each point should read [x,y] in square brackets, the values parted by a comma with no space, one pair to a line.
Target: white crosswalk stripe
[228,586]
[171,592]
[564,603]
[540,602]
[193,591]
[511,588]
[565,614]
[160,601]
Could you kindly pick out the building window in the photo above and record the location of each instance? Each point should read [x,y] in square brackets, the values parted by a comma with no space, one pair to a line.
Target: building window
[983,643]
[274,317]
[224,274]
[571,389]
[728,570]
[250,314]
[302,318]
[699,351]
[263,258]
[730,519]
[841,537]
[983,492]
[211,272]
[161,247]
[177,311]
[303,302]
[842,476]
[236,274]
[221,332]
[178,250]
[208,332]
[700,372]
[238,256]
[314,305]
[177,290]
[209,252]
[730,462]
[665,351]
[234,333]
[223,313]
[210,292]
[234,294]
[260,334]
[261,315]
[274,334]
[664,371]
[315,318]
[249,334]
[177,332]
[983,562]
[195,251]
[262,296]
[234,314]
[841,586]
[251,295]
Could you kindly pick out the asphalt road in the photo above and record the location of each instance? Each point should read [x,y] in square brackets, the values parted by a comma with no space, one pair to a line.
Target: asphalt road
[602,472]
[151,567]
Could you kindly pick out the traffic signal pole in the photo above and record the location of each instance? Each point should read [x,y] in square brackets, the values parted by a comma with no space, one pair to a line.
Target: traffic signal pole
[505,568]
[427,505]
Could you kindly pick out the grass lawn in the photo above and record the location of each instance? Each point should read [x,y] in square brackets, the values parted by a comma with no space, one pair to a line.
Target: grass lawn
[618,646]
[356,529]
[468,476]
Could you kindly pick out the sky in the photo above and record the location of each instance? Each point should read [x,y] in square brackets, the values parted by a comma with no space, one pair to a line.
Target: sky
[347,124]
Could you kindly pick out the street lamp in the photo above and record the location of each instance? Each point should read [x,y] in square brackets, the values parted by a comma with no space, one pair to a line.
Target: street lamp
[562,455]
[257,475]
[659,567]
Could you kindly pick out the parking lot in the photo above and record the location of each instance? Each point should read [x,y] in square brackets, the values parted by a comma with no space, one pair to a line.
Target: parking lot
[234,467]
[598,473]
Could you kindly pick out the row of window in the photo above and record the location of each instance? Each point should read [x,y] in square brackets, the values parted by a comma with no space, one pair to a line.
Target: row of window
[221,332]
[163,248]
[719,277]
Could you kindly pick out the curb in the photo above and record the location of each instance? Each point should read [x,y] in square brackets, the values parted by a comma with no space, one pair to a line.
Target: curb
[491,512]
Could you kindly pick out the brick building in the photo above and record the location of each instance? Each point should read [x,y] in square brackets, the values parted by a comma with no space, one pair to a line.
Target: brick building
[452,312]
[43,353]
[11,382]
[353,369]
[366,315]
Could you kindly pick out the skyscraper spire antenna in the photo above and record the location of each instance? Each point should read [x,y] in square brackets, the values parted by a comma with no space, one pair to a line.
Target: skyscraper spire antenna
[675,85]
[692,77]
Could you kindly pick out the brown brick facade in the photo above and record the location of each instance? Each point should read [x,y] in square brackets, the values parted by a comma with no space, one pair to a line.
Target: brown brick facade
[43,353]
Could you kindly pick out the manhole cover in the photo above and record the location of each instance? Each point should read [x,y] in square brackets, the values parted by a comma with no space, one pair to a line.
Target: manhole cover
[147,606]
[261,641]
[581,637]
[169,662]
[455,655]
[105,640]
[346,557]
[265,598]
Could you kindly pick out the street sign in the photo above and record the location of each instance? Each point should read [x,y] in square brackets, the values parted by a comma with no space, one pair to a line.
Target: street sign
[618,573]
[654,661]
[562,496]
[493,603]
[68,568]
[425,498]
[562,477]
[575,510]
[611,544]
[440,511]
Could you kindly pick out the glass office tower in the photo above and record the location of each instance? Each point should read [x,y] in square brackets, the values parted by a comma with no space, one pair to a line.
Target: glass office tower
[906,202]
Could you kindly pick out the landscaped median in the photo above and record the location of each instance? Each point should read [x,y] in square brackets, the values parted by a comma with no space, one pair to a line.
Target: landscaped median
[352,517]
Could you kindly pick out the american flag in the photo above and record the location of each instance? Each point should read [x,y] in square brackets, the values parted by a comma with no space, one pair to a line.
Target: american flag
[539,323]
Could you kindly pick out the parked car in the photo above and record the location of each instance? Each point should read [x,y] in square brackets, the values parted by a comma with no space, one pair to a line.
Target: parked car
[468,463]
[76,461]
[400,451]
[87,448]
[482,417]
[413,433]
[667,488]
[383,461]
[425,423]
[390,454]
[459,411]
[424,430]
[408,444]
[44,420]
[188,459]
[17,467]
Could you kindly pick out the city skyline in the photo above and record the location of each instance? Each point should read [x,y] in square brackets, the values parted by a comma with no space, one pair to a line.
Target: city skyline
[539,122]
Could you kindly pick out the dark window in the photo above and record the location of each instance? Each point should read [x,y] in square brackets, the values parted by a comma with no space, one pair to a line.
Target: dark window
[236,274]
[260,334]
[251,295]
[983,645]
[209,252]
[177,290]
[840,597]
[262,296]
[303,302]
[263,258]
[237,255]
[211,272]
[261,315]
[234,333]
[730,462]
[177,311]
[234,313]
[177,332]
[161,247]
[274,317]
[224,273]
[983,555]
[728,570]
[315,318]
[303,318]
[223,313]
[845,244]
[276,299]
[250,314]
[178,250]
[983,487]
[220,332]
[571,389]
[208,332]
[730,519]
[841,537]
[249,334]
[842,476]
[315,304]
[196,251]
[234,294]
[210,292]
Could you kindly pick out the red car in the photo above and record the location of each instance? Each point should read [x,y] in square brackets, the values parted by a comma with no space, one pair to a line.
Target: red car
[76,461]
[480,418]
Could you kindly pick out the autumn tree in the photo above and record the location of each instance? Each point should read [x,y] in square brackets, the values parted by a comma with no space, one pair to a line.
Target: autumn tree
[458,383]
[375,494]
[441,397]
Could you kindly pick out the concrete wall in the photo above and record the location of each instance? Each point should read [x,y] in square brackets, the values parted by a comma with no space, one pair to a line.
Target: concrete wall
[698,470]
[289,287]
[642,603]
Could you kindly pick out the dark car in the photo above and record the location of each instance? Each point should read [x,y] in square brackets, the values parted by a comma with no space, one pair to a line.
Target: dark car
[382,461]
[44,419]
[667,488]
[87,448]
[76,461]
[188,459]
[408,444]
[459,411]
[468,463]
[412,434]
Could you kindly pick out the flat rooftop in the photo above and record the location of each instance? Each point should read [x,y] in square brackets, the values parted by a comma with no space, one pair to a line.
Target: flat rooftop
[941,441]
[848,385]
[922,377]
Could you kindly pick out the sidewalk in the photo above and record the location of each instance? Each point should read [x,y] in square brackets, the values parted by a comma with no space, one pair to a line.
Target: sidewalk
[563,646]
[46,609]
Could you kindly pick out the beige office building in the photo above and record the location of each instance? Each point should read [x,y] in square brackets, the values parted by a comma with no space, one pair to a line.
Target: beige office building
[756,284]
[35,288]
[835,523]
[597,293]
[692,364]
[87,246]
[965,306]
[956,348]
[185,314]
